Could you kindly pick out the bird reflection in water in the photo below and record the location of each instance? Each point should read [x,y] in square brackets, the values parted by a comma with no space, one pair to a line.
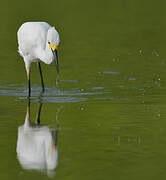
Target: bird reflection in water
[37,146]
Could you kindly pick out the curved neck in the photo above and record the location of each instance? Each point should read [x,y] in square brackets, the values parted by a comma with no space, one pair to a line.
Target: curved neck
[46,55]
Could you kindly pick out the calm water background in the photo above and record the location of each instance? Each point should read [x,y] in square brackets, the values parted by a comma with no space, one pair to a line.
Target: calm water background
[110,101]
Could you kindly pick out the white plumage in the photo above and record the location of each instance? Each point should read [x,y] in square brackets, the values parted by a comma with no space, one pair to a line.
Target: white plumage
[38,41]
[33,38]
[36,149]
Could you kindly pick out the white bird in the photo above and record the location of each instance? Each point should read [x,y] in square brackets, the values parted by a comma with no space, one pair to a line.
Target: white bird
[38,41]
[36,145]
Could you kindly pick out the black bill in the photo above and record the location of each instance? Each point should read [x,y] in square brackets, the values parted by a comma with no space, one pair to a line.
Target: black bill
[55,52]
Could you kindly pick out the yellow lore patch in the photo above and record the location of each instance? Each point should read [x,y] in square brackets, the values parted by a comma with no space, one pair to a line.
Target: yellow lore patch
[53,47]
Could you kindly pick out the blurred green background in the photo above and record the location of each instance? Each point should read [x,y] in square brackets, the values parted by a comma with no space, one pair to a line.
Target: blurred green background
[111,90]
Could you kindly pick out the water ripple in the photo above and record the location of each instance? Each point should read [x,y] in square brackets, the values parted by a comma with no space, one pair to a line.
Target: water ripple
[110,72]
[55,95]
[51,94]
[55,99]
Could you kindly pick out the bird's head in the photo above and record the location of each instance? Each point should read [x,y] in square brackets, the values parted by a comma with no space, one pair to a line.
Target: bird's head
[53,41]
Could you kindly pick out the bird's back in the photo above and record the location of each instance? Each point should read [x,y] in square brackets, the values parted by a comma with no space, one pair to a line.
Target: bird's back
[35,148]
[32,35]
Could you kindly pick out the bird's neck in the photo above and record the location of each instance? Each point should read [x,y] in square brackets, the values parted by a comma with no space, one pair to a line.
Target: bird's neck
[46,55]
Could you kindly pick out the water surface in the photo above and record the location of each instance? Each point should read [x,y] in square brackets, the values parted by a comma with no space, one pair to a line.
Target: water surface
[108,103]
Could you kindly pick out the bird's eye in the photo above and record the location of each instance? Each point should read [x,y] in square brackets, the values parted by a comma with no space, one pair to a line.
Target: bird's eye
[48,42]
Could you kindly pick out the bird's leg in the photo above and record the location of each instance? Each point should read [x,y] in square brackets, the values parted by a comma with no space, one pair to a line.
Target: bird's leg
[28,69]
[39,111]
[41,76]
[56,135]
[27,117]
[29,85]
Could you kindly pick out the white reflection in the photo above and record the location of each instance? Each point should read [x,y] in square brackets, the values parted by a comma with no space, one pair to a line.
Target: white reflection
[36,145]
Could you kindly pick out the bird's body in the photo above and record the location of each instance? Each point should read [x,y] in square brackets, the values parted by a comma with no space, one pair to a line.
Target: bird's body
[35,148]
[36,145]
[38,41]
[33,38]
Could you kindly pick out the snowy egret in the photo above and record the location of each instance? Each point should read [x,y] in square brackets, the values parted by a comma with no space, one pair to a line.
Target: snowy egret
[36,145]
[38,41]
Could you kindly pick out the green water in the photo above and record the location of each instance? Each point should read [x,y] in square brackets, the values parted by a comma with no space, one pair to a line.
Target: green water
[110,99]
